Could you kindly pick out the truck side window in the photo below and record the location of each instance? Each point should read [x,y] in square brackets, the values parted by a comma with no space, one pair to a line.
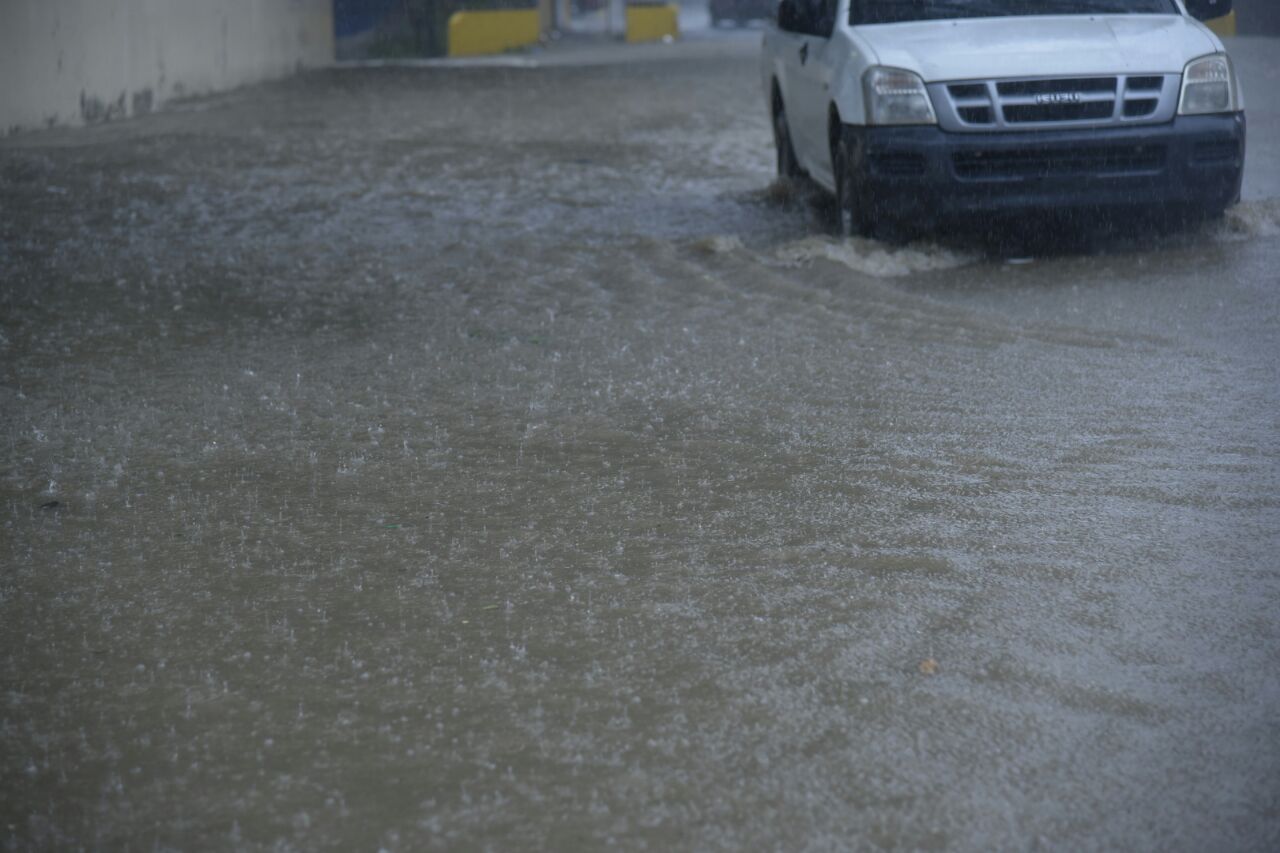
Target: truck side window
[793,16]
[808,17]
[824,20]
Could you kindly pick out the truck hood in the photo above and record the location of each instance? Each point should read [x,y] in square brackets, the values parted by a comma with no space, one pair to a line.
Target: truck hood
[1048,46]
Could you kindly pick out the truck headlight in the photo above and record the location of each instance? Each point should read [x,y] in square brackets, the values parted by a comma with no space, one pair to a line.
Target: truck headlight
[1209,86]
[895,96]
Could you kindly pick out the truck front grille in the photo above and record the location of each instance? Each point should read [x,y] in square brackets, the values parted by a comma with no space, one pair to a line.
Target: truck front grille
[1021,164]
[1045,103]
[1038,113]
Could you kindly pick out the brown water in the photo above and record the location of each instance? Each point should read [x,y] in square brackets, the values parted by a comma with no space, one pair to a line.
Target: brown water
[495,459]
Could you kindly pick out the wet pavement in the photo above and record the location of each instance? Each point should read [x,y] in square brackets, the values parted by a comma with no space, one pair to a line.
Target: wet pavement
[493,457]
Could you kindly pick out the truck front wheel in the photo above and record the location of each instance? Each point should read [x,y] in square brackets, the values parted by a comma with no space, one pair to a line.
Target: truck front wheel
[788,167]
[853,218]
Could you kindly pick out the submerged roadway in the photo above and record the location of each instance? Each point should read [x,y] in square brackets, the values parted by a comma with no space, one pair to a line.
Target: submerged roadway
[491,456]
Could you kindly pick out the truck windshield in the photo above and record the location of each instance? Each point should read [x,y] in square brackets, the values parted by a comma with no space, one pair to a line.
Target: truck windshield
[894,11]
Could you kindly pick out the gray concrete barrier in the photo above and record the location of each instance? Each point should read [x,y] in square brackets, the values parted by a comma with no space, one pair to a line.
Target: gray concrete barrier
[85,61]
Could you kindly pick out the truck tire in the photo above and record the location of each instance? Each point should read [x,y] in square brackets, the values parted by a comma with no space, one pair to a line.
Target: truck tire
[852,217]
[788,166]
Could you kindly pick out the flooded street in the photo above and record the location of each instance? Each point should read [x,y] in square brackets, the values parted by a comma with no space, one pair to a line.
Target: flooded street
[494,457]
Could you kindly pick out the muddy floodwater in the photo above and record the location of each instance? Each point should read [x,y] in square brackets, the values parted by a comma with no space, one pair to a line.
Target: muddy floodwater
[494,457]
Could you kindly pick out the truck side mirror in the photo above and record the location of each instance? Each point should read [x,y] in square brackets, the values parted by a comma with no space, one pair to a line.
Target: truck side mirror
[1207,10]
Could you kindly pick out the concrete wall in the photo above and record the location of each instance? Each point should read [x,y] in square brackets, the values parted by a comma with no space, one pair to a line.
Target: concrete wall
[78,61]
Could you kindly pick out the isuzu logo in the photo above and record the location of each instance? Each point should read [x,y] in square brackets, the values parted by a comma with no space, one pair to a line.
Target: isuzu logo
[1047,98]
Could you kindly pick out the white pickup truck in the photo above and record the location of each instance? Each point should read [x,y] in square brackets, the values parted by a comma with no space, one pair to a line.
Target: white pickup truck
[910,111]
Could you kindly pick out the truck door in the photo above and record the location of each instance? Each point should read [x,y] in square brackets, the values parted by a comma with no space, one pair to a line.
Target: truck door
[810,83]
[790,53]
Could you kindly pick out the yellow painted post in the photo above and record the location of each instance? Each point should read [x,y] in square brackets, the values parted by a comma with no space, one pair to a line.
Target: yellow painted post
[479,33]
[652,21]
[1224,26]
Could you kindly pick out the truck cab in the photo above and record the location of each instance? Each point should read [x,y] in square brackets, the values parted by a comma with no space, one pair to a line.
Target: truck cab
[916,110]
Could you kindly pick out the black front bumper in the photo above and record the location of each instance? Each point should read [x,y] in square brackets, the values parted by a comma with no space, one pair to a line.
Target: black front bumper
[1193,164]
